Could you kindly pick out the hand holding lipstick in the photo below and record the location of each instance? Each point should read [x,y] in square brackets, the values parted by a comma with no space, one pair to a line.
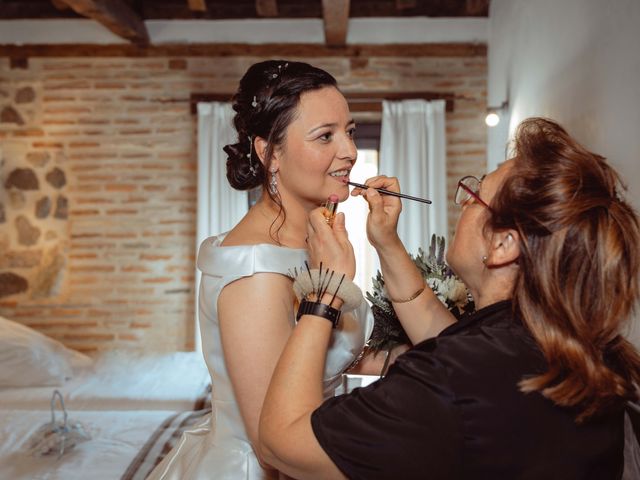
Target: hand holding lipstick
[327,240]
[331,208]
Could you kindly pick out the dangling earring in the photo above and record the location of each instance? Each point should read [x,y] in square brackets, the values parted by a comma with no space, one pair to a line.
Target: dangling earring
[484,259]
[273,183]
[252,169]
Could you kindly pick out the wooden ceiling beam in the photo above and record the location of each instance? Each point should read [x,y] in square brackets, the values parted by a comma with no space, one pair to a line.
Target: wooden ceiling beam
[358,101]
[197,5]
[335,15]
[267,50]
[406,4]
[476,8]
[267,8]
[60,4]
[116,15]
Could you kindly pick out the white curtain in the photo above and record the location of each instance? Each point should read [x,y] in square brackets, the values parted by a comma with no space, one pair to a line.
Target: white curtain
[220,207]
[413,148]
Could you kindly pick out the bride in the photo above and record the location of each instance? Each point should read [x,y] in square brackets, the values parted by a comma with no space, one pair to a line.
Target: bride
[295,138]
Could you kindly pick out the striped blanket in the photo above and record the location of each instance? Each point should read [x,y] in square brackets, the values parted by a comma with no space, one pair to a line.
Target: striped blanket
[165,437]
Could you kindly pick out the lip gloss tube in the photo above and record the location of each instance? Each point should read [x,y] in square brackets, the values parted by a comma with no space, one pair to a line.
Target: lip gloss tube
[330,209]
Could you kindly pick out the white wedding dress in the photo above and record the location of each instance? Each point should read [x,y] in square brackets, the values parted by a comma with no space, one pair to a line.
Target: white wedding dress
[219,447]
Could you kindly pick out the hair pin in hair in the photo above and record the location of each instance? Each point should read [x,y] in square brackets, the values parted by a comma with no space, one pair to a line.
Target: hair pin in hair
[254,104]
[280,68]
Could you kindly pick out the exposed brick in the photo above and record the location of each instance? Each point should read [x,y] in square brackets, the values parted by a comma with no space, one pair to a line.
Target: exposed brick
[22,179]
[83,337]
[20,259]
[28,132]
[62,207]
[25,95]
[75,85]
[83,256]
[56,178]
[11,284]
[134,268]
[121,211]
[110,85]
[177,64]
[27,233]
[54,145]
[93,268]
[129,144]
[11,115]
[120,187]
[158,280]
[43,207]
[153,258]
[128,337]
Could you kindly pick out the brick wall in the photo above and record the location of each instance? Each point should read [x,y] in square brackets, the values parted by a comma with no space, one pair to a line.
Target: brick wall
[98,184]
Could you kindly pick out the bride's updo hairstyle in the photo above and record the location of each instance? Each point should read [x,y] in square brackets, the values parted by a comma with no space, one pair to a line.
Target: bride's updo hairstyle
[577,283]
[265,104]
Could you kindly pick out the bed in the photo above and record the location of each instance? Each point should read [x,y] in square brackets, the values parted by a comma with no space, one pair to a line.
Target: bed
[124,444]
[134,406]
[124,381]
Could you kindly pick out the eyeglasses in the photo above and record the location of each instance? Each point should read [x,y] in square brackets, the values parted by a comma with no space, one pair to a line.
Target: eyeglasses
[468,188]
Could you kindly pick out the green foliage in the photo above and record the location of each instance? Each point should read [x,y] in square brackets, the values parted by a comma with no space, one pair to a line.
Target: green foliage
[387,330]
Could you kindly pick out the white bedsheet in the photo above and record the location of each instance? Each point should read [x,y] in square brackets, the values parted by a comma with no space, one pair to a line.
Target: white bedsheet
[123,381]
[116,438]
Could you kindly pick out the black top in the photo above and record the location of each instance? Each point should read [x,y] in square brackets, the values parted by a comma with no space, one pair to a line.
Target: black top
[451,408]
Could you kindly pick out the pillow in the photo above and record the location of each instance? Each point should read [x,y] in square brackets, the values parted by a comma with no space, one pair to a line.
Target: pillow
[30,359]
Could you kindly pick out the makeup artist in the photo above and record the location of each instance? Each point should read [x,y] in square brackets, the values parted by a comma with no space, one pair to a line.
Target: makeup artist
[532,385]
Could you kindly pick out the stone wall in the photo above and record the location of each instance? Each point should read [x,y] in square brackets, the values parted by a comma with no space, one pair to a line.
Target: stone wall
[98,183]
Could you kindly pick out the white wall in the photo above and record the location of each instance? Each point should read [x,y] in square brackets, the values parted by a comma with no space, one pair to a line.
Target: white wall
[309,30]
[577,62]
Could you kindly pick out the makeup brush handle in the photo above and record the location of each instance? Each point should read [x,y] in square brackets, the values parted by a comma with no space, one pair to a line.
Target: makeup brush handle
[389,192]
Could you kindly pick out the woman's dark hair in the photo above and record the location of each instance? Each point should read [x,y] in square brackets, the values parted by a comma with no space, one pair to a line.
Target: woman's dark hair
[577,284]
[265,104]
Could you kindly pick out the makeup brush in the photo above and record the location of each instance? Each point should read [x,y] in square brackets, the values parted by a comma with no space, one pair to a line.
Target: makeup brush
[389,192]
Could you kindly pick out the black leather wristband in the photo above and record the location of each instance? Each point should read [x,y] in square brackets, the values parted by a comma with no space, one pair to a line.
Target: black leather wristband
[320,310]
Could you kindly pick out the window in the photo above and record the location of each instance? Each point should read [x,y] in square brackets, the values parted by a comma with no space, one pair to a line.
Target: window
[356,210]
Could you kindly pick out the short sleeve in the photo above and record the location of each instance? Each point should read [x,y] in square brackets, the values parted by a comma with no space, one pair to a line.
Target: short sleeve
[403,426]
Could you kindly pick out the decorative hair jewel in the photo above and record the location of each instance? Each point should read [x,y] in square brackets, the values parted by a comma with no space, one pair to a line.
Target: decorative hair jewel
[252,168]
[280,68]
[254,104]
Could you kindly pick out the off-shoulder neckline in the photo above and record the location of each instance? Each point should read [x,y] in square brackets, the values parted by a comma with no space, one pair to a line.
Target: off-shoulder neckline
[217,243]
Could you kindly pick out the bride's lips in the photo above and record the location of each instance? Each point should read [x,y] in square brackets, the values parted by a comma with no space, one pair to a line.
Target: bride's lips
[341,178]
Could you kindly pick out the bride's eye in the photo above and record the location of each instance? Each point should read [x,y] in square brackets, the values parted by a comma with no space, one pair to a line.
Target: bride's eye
[351,132]
[326,137]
